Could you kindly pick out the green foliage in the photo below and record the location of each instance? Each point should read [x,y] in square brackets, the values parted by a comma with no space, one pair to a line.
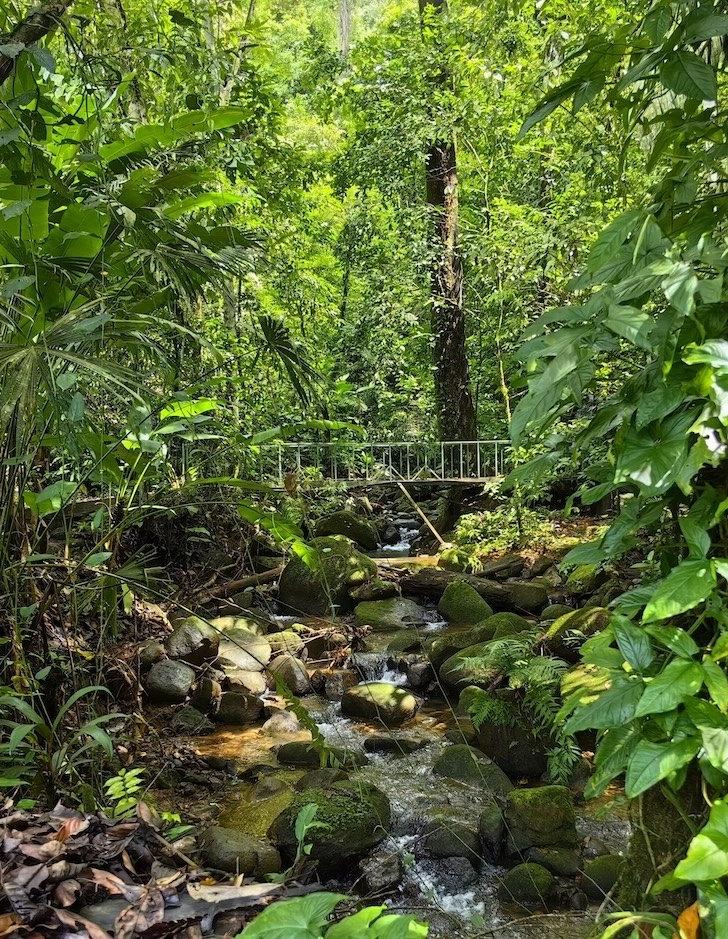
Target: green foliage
[650,298]
[479,534]
[123,790]
[307,918]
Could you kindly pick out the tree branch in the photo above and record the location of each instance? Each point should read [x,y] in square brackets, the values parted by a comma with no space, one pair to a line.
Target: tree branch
[34,27]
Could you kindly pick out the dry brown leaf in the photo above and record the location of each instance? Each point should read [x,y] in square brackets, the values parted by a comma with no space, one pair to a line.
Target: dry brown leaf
[689,922]
[66,892]
[114,884]
[148,815]
[9,923]
[68,918]
[43,852]
[70,828]
[247,894]
[140,916]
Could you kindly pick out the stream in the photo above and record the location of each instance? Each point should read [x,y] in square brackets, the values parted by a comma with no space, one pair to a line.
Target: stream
[455,897]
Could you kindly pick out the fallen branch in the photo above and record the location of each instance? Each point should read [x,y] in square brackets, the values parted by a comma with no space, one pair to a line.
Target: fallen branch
[233,586]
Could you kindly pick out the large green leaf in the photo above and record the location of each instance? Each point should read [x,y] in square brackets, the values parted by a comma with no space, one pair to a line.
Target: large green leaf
[300,918]
[687,74]
[652,762]
[613,708]
[633,642]
[689,584]
[707,857]
[679,679]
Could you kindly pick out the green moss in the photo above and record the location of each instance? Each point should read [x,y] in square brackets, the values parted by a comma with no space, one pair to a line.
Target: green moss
[472,665]
[470,765]
[586,621]
[584,579]
[334,568]
[527,883]
[554,610]
[383,615]
[541,817]
[506,624]
[600,875]
[346,523]
[379,701]
[462,605]
[252,816]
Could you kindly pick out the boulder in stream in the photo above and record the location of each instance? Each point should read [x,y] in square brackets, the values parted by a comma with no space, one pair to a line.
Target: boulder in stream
[285,641]
[193,641]
[601,875]
[473,665]
[243,650]
[292,672]
[361,531]
[235,852]
[335,568]
[515,748]
[506,624]
[382,871]
[375,589]
[302,753]
[449,833]
[462,605]
[191,722]
[379,701]
[393,614]
[354,817]
[467,764]
[527,884]
[540,817]
[565,634]
[238,708]
[169,682]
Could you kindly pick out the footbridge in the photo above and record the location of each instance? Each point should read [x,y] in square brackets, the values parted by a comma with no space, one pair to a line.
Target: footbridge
[367,463]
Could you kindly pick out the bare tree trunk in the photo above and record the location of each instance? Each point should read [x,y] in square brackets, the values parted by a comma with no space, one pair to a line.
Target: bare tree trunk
[345,28]
[455,410]
[41,21]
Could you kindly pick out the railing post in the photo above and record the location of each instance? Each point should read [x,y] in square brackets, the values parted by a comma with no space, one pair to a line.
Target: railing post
[495,472]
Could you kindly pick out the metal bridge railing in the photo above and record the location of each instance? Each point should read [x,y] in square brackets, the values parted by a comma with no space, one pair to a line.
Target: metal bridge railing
[375,461]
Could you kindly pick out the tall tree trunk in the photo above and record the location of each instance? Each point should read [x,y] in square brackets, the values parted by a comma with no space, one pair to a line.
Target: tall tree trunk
[455,410]
[344,27]
[38,23]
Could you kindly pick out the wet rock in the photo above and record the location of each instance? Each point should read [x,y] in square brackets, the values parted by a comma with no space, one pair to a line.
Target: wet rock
[285,641]
[382,872]
[206,694]
[450,641]
[600,876]
[245,681]
[385,615]
[322,778]
[324,643]
[432,582]
[238,708]
[283,722]
[515,748]
[292,672]
[169,682]
[554,611]
[449,834]
[257,625]
[540,817]
[375,589]
[491,830]
[470,765]
[379,701]
[234,852]
[406,640]
[188,720]
[243,650]
[338,568]
[193,641]
[506,624]
[362,532]
[419,674]
[149,653]
[527,596]
[510,565]
[355,817]
[399,746]
[528,884]
[454,873]
[337,682]
[462,605]
[305,754]
[268,786]
[564,862]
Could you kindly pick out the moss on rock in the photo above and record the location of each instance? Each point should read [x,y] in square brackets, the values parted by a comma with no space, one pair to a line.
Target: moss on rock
[600,876]
[529,884]
[462,605]
[235,852]
[473,665]
[541,817]
[335,568]
[379,701]
[470,765]
[384,615]
[361,531]
[506,624]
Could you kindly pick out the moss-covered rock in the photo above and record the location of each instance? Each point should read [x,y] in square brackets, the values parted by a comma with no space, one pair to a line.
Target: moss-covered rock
[236,707]
[354,817]
[473,665]
[302,754]
[358,529]
[527,884]
[527,595]
[601,875]
[449,641]
[470,765]
[506,624]
[491,830]
[584,579]
[292,672]
[540,817]
[285,641]
[564,862]
[191,722]
[462,605]
[405,640]
[375,589]
[554,611]
[379,701]
[235,852]
[449,834]
[385,615]
[567,633]
[515,748]
[335,568]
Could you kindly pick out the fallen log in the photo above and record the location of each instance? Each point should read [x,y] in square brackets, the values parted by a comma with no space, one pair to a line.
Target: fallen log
[234,586]
[514,595]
